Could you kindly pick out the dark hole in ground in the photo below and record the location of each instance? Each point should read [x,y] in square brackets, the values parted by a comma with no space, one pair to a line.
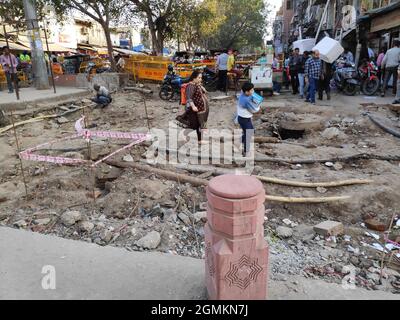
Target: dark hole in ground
[290,134]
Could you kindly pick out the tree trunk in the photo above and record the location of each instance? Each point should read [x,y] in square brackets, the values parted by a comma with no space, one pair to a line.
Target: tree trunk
[109,46]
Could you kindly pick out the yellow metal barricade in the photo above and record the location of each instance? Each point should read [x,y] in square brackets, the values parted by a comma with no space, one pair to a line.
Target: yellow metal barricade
[3,79]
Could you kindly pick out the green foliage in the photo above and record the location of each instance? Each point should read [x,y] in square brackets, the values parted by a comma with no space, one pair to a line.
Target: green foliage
[12,12]
[244,23]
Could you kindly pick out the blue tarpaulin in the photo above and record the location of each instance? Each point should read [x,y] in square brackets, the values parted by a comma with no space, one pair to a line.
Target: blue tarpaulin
[138,48]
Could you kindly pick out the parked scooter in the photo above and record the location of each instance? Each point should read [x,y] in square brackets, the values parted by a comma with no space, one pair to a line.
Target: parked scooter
[345,77]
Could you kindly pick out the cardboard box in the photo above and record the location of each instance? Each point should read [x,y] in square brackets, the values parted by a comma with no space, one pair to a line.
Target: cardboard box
[329,49]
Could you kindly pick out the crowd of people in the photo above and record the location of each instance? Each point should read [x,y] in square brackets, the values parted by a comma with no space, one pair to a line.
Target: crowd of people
[12,64]
[307,74]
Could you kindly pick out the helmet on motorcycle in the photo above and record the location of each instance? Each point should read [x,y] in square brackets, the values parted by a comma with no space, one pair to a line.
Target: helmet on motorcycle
[170,67]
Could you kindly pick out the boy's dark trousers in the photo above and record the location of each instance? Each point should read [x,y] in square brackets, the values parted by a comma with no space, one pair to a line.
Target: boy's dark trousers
[248,130]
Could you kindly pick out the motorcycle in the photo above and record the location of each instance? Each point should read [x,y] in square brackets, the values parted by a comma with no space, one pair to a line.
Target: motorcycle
[172,83]
[368,73]
[345,77]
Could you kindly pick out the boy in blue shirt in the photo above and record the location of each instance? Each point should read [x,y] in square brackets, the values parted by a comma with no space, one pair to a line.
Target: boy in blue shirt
[246,107]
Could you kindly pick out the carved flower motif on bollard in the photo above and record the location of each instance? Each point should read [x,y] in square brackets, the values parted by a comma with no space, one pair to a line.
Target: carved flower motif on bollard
[243,272]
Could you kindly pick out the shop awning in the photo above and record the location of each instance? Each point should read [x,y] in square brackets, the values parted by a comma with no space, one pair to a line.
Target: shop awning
[387,21]
[14,46]
[57,48]
[127,52]
[53,47]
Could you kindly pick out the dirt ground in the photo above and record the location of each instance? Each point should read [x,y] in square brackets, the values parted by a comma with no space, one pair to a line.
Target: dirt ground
[130,203]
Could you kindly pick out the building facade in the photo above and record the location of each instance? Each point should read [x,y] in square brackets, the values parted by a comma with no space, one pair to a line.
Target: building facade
[371,23]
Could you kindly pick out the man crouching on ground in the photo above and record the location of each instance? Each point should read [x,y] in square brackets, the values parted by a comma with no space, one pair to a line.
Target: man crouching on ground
[103,97]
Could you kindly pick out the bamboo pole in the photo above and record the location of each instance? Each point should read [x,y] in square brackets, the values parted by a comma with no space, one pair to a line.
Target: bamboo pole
[19,150]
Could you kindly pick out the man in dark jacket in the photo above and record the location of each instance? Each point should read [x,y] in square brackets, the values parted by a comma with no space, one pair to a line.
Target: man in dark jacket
[325,80]
[294,65]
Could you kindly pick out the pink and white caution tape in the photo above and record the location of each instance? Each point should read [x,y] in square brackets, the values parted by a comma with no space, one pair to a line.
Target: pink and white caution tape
[87,135]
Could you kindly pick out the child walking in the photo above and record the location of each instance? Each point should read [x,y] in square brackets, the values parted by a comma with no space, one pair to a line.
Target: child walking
[246,107]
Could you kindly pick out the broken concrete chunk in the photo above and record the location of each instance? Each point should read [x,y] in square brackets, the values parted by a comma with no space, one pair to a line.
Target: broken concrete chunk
[62,120]
[43,221]
[284,232]
[69,218]
[150,240]
[106,235]
[20,223]
[200,216]
[128,158]
[331,133]
[185,219]
[329,228]
[86,226]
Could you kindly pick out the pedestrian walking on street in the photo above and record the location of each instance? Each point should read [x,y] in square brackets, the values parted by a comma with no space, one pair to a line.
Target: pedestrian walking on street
[9,63]
[397,100]
[245,110]
[103,96]
[197,109]
[379,60]
[222,69]
[312,72]
[390,64]
[325,81]
[300,74]
[232,66]
[286,77]
[294,65]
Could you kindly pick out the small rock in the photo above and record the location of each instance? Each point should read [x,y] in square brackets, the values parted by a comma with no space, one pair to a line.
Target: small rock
[322,189]
[337,166]
[4,215]
[376,225]
[106,235]
[329,164]
[20,224]
[133,231]
[184,218]
[201,215]
[288,222]
[86,226]
[43,221]
[128,158]
[69,218]
[354,260]
[150,240]
[284,232]
[62,120]
[374,277]
[331,133]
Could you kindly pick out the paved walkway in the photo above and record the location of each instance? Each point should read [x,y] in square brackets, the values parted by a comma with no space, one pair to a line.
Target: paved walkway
[88,271]
[32,96]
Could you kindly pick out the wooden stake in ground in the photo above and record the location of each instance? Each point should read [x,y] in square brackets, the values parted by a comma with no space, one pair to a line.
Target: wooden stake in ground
[145,109]
[19,150]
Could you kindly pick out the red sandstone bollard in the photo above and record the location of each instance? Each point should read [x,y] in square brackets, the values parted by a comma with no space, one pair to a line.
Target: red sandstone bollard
[236,251]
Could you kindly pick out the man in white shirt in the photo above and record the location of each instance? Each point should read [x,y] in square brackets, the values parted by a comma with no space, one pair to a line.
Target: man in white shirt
[222,69]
